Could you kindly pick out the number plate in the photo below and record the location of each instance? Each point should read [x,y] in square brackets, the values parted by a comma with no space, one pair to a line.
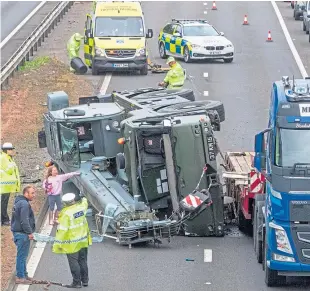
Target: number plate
[215,53]
[120,65]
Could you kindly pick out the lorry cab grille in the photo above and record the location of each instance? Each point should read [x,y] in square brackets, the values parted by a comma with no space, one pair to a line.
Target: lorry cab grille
[120,53]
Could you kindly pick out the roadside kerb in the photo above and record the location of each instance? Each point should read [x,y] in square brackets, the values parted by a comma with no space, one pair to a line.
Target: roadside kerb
[31,44]
[39,222]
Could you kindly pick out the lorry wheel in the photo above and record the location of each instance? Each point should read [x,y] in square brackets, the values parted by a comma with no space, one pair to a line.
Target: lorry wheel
[272,278]
[210,104]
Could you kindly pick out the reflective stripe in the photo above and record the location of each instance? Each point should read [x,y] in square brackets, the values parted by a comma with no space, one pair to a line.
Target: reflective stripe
[60,227]
[7,183]
[71,241]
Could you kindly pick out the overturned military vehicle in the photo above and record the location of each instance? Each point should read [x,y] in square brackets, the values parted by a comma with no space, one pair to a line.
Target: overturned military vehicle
[147,160]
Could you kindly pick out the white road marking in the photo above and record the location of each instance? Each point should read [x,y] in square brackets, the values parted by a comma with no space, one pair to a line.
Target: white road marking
[206,75]
[289,41]
[206,93]
[205,3]
[39,248]
[205,12]
[36,254]
[19,26]
[207,255]
[105,83]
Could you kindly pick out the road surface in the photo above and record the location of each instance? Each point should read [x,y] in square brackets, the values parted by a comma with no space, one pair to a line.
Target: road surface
[12,14]
[244,88]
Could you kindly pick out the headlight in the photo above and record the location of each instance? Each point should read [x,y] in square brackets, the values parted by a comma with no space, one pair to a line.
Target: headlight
[282,258]
[99,51]
[283,243]
[141,52]
[275,193]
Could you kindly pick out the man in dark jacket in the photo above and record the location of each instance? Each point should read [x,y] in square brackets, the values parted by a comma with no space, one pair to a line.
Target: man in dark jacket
[23,226]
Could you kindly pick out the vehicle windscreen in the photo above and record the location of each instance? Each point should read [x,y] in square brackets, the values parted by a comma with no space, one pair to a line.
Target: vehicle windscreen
[292,146]
[119,26]
[199,30]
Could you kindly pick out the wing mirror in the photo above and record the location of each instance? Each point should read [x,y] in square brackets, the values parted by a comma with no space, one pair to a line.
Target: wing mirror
[221,33]
[177,34]
[149,33]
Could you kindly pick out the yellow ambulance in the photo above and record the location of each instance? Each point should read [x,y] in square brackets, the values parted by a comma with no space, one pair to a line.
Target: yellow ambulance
[115,38]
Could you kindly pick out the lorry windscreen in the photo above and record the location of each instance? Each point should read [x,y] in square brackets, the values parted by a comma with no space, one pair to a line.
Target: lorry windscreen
[292,146]
[119,26]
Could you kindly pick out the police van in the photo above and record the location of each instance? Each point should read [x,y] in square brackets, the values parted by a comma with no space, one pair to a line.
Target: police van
[115,38]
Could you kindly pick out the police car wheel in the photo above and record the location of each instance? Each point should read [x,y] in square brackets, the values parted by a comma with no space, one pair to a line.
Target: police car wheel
[187,57]
[162,51]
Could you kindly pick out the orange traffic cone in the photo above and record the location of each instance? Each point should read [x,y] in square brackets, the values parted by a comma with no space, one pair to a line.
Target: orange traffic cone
[269,39]
[214,6]
[245,20]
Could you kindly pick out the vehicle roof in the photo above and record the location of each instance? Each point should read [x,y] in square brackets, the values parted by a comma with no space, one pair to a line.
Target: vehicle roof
[280,89]
[118,8]
[190,22]
[99,109]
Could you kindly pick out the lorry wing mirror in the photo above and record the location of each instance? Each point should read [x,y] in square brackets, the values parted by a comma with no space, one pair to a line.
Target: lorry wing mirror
[42,139]
[149,33]
[260,151]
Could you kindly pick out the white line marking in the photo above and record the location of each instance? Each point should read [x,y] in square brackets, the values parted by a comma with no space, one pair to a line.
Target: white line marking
[205,4]
[289,41]
[206,93]
[207,255]
[19,26]
[206,75]
[36,254]
[205,12]
[105,83]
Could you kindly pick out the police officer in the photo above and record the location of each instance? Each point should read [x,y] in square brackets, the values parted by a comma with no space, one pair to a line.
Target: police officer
[73,47]
[175,77]
[73,238]
[9,179]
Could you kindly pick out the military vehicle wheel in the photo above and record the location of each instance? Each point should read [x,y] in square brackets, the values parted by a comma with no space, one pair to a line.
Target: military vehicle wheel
[210,105]
[184,93]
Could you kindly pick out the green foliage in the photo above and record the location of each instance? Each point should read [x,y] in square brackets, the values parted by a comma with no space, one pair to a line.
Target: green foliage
[35,63]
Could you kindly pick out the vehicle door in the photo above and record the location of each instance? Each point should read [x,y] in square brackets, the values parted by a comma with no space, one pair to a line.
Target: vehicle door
[177,38]
[167,35]
[88,41]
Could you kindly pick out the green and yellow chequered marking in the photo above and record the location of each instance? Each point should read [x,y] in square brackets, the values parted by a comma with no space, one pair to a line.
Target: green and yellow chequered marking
[88,50]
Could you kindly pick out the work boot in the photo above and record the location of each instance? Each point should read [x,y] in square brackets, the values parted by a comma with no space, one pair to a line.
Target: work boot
[74,285]
[85,284]
[23,281]
[50,216]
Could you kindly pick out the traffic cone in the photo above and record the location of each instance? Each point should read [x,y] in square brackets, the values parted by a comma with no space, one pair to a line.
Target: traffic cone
[245,20]
[214,6]
[269,39]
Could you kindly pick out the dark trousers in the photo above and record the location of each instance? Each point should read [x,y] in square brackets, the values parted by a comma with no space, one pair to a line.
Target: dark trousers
[78,266]
[4,207]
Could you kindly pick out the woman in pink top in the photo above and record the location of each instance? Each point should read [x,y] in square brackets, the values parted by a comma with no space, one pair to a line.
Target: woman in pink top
[53,188]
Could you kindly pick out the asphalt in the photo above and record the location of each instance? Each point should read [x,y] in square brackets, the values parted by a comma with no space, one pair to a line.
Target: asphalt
[12,14]
[244,88]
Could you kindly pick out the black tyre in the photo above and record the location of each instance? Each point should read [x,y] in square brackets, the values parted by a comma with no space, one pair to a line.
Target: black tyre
[228,60]
[94,71]
[145,70]
[303,26]
[186,56]
[184,93]
[210,105]
[272,278]
[257,225]
[162,50]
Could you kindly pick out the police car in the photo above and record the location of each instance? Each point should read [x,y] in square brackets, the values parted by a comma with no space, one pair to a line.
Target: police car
[194,40]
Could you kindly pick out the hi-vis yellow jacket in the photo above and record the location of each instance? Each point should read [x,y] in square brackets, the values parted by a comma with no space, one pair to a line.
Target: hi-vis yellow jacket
[9,175]
[72,232]
[175,77]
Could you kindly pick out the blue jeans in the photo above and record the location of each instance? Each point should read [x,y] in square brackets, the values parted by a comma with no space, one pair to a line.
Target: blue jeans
[22,243]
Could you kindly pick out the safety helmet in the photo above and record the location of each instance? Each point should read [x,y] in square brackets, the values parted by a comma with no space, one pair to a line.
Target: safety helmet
[77,36]
[170,59]
[68,197]
[7,146]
